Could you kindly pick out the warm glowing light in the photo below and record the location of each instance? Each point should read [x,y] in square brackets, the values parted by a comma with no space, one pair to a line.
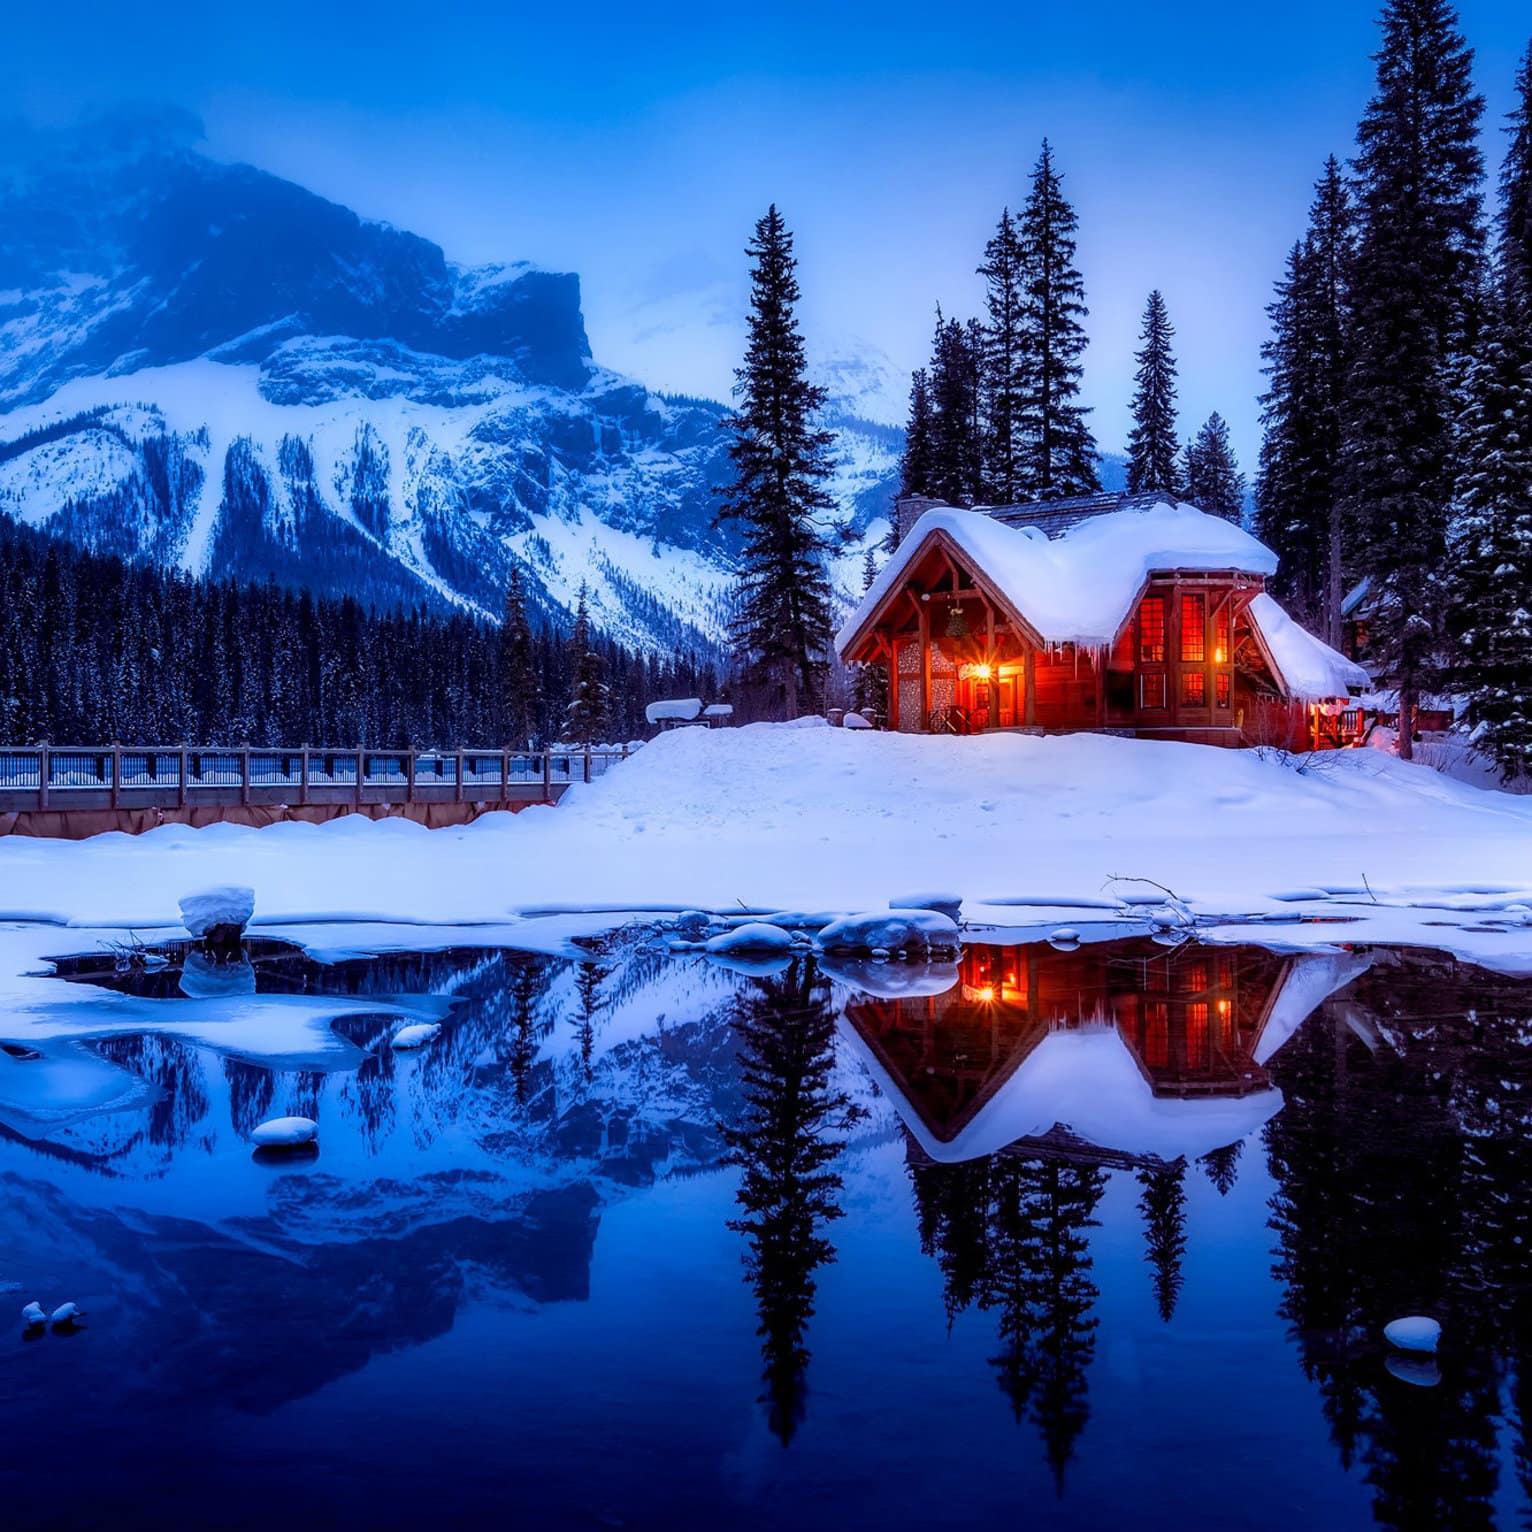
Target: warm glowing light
[1218,656]
[987,993]
[1223,1007]
[983,672]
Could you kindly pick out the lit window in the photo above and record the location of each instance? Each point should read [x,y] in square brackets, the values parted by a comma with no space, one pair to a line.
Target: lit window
[1151,630]
[1221,635]
[1194,688]
[1194,629]
[1151,691]
[1197,1034]
[1157,1035]
[1221,686]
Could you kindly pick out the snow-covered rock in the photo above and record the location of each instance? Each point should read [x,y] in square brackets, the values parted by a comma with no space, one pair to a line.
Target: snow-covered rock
[945,904]
[1415,1332]
[691,925]
[914,932]
[33,1315]
[286,1133]
[416,1035]
[217,910]
[754,938]
[67,1314]
[854,721]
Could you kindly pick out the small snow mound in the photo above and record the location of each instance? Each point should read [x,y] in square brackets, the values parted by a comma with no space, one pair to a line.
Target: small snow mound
[67,1314]
[854,721]
[417,1035]
[228,906]
[286,1133]
[754,937]
[912,932]
[808,721]
[691,925]
[945,904]
[1415,1332]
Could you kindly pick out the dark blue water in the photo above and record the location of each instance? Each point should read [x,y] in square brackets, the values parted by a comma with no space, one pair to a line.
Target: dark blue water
[644,1242]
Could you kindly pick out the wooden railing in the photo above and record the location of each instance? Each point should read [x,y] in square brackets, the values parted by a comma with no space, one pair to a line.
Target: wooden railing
[44,777]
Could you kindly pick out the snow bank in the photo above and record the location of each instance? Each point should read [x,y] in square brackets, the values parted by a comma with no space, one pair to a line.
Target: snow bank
[755,937]
[765,818]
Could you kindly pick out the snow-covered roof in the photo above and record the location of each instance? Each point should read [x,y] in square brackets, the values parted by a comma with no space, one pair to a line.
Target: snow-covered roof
[684,708]
[1078,587]
[1307,666]
[718,710]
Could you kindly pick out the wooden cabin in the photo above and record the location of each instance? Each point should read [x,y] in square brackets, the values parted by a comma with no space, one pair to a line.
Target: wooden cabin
[1115,613]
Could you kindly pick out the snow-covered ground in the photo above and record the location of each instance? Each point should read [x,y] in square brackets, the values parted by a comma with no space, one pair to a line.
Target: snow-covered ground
[771,817]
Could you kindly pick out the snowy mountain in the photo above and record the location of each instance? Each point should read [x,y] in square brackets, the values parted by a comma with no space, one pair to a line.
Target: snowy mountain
[207,366]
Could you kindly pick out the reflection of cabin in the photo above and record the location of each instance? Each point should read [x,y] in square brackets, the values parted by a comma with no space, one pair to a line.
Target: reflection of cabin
[1199,1023]
[1108,612]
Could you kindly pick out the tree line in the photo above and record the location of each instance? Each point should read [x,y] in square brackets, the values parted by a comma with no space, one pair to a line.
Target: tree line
[995,416]
[1398,420]
[93,649]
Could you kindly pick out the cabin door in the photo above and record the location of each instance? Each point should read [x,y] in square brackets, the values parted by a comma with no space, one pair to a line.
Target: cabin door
[978,703]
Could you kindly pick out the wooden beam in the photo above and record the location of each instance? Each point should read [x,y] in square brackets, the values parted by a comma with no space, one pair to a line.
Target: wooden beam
[1029,682]
[925,670]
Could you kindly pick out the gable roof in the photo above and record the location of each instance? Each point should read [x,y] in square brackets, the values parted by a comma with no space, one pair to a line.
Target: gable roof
[1079,585]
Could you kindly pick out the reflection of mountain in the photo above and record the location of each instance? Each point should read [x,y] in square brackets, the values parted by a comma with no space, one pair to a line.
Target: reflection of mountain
[1403,1161]
[1128,1047]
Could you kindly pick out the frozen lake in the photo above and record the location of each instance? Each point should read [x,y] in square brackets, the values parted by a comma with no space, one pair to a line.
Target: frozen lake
[1087,1238]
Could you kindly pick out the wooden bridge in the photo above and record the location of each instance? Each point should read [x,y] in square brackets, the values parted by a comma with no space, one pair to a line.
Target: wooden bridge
[78,790]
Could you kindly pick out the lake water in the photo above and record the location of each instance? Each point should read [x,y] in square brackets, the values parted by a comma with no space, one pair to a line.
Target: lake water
[1046,1239]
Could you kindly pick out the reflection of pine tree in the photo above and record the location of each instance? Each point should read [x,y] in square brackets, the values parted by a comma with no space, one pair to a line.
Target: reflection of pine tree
[1163,1205]
[1401,1187]
[787,1190]
[952,1204]
[522,991]
[1010,1233]
[588,987]
[250,1092]
[1222,1166]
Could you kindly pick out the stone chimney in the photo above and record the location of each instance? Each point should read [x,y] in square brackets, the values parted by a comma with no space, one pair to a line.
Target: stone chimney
[909,510]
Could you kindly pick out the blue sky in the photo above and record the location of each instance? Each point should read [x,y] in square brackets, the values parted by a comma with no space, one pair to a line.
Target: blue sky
[636,145]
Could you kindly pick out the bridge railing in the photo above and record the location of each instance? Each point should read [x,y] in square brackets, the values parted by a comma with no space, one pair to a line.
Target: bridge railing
[40,777]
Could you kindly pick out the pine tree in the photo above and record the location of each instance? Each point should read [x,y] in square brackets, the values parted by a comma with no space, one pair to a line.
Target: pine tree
[1490,613]
[956,455]
[781,461]
[1003,367]
[915,464]
[588,715]
[1057,448]
[870,692]
[1298,490]
[1213,482]
[519,689]
[1417,278]
[1152,444]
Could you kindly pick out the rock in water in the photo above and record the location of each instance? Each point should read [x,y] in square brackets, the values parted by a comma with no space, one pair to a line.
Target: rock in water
[1415,1332]
[917,933]
[417,1035]
[1419,1371]
[67,1314]
[286,1133]
[218,916]
[754,937]
[33,1315]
